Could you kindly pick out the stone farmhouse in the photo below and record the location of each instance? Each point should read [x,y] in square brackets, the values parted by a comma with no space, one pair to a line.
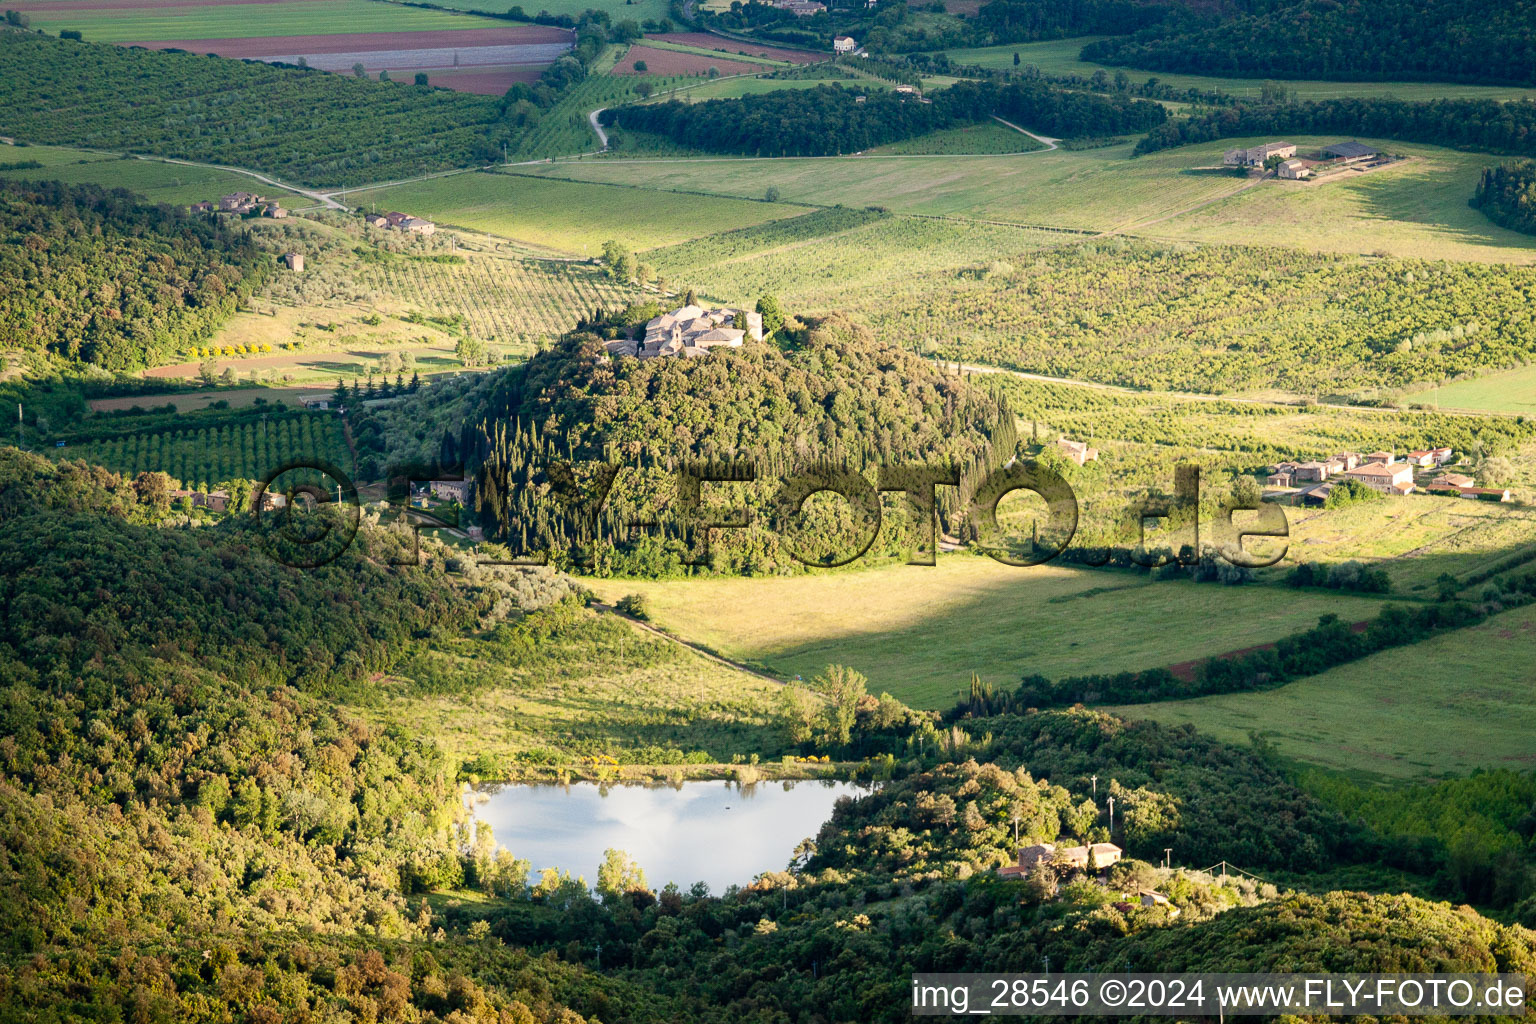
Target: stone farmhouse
[1077,451]
[1076,857]
[242,203]
[397,221]
[691,331]
[1254,156]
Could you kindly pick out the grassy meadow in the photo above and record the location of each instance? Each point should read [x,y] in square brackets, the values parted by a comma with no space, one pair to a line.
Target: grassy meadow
[1418,208]
[155,180]
[919,632]
[236,21]
[572,217]
[1446,706]
[1059,57]
[597,684]
[1512,391]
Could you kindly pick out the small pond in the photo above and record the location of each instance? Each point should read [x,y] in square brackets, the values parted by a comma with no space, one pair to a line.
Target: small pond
[719,833]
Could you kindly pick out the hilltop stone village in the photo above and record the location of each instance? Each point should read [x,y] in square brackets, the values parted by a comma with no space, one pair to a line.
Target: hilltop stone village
[691,331]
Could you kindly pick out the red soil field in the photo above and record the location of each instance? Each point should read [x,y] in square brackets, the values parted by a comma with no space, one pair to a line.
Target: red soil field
[671,62]
[705,41]
[482,81]
[360,41]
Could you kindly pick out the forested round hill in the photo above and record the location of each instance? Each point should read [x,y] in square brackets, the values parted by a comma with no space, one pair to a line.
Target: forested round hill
[829,394]
[95,275]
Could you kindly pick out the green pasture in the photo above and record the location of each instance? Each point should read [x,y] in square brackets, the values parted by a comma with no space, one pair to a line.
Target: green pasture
[241,21]
[919,632]
[1449,705]
[573,216]
[156,180]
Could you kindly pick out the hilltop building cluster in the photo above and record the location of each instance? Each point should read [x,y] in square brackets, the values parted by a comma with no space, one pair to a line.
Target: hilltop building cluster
[691,331]
[242,204]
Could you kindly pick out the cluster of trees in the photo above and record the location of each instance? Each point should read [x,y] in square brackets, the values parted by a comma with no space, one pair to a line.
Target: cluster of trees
[1351,575]
[1507,194]
[831,396]
[93,275]
[1485,125]
[829,119]
[1354,40]
[307,126]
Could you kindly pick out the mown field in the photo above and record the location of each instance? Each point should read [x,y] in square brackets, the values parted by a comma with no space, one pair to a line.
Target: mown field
[115,24]
[573,216]
[1512,391]
[1059,57]
[156,180]
[919,632]
[1449,705]
[1416,209]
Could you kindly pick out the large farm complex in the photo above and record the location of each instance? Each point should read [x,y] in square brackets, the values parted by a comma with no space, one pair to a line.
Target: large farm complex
[639,511]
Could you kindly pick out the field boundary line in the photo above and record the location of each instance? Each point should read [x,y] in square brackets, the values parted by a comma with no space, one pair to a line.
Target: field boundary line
[702,652]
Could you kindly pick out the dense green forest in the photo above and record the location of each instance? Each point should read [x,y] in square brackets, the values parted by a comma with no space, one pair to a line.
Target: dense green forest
[92,274]
[830,119]
[1482,125]
[1507,194]
[829,394]
[309,127]
[1352,40]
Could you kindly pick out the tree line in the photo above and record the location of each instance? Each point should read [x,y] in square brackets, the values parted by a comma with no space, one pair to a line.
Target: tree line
[1482,125]
[828,120]
[1353,40]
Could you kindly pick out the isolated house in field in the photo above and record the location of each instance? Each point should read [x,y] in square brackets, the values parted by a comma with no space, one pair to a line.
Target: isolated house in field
[1294,170]
[1254,156]
[843,44]
[1077,451]
[203,207]
[376,220]
[419,225]
[1388,478]
[1351,152]
[294,261]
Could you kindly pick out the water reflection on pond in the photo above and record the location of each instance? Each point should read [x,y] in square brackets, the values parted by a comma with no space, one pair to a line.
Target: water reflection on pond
[715,832]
